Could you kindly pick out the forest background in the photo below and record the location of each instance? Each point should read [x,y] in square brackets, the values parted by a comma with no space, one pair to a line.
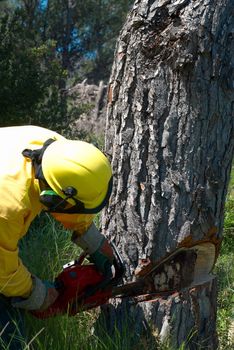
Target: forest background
[47,47]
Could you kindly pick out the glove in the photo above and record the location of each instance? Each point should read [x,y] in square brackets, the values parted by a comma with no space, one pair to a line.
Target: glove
[103,259]
[42,296]
[51,295]
[98,248]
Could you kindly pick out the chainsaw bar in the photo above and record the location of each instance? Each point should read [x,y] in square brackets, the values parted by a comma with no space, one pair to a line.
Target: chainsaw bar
[184,268]
[81,286]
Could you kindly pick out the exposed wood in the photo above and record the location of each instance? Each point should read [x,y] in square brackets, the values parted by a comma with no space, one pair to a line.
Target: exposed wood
[170,137]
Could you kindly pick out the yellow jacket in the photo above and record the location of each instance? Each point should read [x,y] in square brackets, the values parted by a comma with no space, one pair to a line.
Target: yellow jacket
[19,204]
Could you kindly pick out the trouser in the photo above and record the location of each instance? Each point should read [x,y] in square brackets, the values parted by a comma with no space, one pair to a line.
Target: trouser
[12,334]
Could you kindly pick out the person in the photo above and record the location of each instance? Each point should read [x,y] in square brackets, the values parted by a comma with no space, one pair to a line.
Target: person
[72,180]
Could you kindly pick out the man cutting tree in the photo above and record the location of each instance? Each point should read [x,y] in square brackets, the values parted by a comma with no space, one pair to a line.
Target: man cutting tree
[41,170]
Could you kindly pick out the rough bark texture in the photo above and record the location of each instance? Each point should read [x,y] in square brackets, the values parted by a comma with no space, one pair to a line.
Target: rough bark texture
[170,137]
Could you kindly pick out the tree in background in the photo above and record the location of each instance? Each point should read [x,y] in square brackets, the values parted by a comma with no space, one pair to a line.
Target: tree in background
[170,136]
[103,21]
[85,33]
[48,46]
[29,72]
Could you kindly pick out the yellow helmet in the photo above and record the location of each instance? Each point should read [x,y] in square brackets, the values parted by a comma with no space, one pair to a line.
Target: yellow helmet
[81,166]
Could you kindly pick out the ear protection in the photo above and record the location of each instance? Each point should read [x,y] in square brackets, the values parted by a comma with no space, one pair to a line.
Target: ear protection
[57,204]
[52,201]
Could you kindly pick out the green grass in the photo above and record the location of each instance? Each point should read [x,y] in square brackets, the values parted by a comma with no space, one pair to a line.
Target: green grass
[225,271]
[65,332]
[47,247]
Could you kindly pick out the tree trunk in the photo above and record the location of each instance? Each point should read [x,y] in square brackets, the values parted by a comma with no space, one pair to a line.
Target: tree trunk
[170,137]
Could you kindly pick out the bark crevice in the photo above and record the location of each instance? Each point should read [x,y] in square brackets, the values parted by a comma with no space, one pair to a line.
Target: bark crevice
[171,137]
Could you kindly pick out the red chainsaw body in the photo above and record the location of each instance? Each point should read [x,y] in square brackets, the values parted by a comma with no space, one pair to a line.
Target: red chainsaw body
[73,283]
[81,286]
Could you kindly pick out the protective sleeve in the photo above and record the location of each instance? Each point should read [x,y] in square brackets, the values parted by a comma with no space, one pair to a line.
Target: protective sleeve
[15,279]
[79,223]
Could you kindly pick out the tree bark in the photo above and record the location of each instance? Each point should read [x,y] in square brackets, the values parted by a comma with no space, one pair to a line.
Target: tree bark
[169,135]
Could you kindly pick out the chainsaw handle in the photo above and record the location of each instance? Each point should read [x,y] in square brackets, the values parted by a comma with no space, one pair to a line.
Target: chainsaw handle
[118,265]
[109,281]
[81,258]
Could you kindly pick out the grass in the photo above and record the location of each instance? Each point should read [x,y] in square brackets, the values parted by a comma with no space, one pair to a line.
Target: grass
[47,247]
[55,249]
[225,272]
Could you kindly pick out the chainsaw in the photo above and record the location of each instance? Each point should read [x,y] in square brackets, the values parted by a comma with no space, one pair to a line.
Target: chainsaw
[82,287]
